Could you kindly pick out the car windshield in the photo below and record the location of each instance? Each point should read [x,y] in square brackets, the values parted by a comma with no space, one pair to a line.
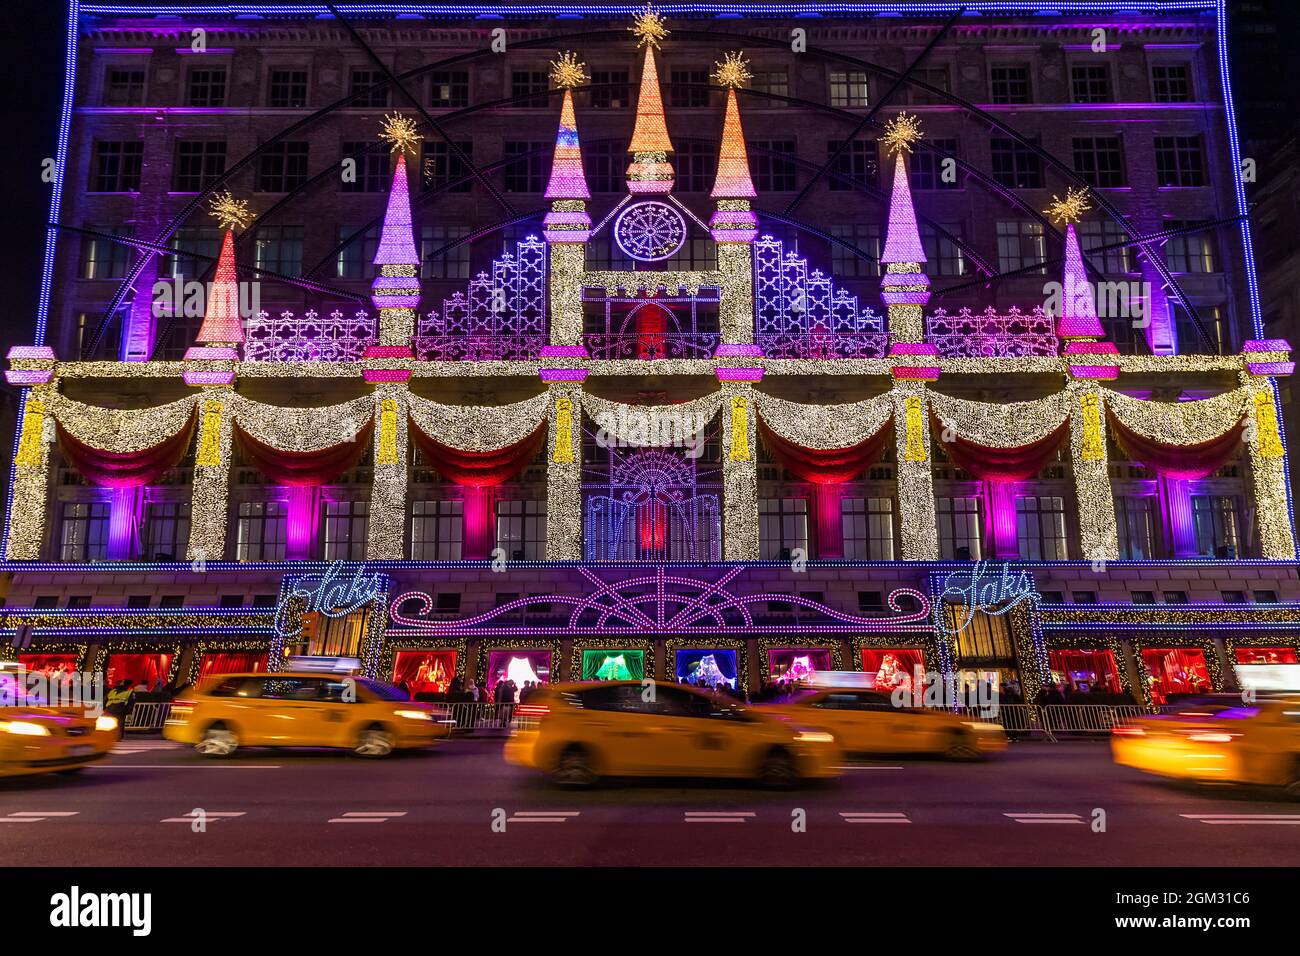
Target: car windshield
[1229,706]
[383,691]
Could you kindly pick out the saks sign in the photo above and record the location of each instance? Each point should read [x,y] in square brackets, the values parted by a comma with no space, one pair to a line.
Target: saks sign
[336,593]
[992,589]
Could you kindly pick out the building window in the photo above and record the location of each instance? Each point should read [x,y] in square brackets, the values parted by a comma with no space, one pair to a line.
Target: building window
[782,527]
[449,89]
[195,248]
[139,600]
[698,253]
[1015,165]
[1040,528]
[606,162]
[437,529]
[1233,597]
[198,164]
[445,170]
[206,88]
[772,163]
[372,170]
[529,87]
[278,249]
[1143,597]
[124,87]
[1135,523]
[1020,245]
[346,526]
[1171,83]
[104,258]
[688,89]
[959,528]
[1190,340]
[360,88]
[696,166]
[527,167]
[847,264]
[1175,597]
[849,88]
[1083,597]
[110,343]
[117,166]
[936,77]
[1090,83]
[288,89]
[84,532]
[868,525]
[1190,251]
[1264,597]
[943,256]
[260,531]
[610,90]
[928,168]
[773,82]
[452,264]
[355,258]
[166,530]
[521,529]
[1179,161]
[1215,517]
[856,165]
[1009,84]
[282,168]
[1099,161]
[1098,233]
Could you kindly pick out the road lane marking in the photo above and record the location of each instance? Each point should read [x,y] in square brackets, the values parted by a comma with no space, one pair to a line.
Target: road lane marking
[209,816]
[860,767]
[718,816]
[36,816]
[1047,818]
[863,816]
[184,766]
[1244,819]
[542,816]
[367,816]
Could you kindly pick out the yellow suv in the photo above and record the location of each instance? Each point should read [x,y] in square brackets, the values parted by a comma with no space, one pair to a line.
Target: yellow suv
[302,710]
[580,732]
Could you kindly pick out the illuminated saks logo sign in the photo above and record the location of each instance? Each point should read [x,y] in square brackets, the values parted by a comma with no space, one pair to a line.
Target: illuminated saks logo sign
[331,594]
[994,590]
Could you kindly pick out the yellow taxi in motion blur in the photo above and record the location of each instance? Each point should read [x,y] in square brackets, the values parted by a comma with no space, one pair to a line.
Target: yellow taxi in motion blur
[1218,739]
[579,733]
[302,710]
[866,721]
[36,739]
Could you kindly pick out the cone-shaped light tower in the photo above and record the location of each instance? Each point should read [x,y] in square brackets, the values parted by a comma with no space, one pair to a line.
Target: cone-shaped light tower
[222,329]
[650,171]
[396,290]
[567,189]
[733,221]
[905,287]
[1088,356]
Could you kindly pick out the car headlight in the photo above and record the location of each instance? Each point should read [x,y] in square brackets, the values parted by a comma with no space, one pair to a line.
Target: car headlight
[413,714]
[24,728]
[814,737]
[106,723]
[982,727]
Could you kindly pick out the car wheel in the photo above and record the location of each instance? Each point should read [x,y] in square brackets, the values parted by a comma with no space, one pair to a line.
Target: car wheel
[961,747]
[374,742]
[1292,786]
[217,741]
[574,770]
[778,772]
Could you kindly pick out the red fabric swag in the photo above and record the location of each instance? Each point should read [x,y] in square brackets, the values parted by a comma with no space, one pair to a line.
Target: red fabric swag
[1178,461]
[478,469]
[1001,465]
[126,469]
[303,469]
[831,466]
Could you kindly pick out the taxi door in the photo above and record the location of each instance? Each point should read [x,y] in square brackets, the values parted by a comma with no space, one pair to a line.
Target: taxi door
[294,715]
[861,722]
[616,724]
[701,735]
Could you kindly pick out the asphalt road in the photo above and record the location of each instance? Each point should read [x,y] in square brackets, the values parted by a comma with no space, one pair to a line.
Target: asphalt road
[1034,805]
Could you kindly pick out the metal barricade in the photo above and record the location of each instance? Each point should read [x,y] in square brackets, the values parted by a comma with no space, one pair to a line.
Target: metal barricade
[148,715]
[1089,718]
[471,717]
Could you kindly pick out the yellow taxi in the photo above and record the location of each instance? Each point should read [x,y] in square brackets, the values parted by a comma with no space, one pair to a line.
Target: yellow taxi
[866,721]
[1218,739]
[302,710]
[579,733]
[35,739]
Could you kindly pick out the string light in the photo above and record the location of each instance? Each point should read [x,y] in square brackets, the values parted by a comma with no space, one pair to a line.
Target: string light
[900,133]
[649,28]
[401,133]
[732,71]
[1069,210]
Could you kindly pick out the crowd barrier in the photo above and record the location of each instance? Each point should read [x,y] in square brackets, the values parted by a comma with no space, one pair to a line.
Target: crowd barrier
[148,716]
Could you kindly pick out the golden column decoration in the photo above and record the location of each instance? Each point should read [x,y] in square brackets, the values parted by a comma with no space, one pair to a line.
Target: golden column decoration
[210,489]
[736,304]
[1098,535]
[1268,477]
[31,487]
[564,472]
[739,474]
[919,528]
[386,538]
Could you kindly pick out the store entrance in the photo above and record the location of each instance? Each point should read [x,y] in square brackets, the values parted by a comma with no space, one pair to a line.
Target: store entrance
[324,636]
[984,657]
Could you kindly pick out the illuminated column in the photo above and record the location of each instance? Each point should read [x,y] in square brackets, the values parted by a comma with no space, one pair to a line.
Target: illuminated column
[386,538]
[210,488]
[1098,536]
[650,171]
[1176,497]
[905,287]
[564,518]
[1263,438]
[828,520]
[1160,326]
[479,538]
[303,522]
[919,529]
[31,482]
[733,225]
[125,515]
[396,290]
[1000,526]
[567,227]
[739,464]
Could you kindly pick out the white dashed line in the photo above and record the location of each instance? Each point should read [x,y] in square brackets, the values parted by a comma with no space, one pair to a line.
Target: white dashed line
[542,816]
[368,816]
[861,767]
[208,816]
[718,816]
[858,816]
[1244,819]
[1020,817]
[36,816]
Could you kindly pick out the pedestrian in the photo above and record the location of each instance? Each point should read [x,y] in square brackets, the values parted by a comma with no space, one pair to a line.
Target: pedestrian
[118,705]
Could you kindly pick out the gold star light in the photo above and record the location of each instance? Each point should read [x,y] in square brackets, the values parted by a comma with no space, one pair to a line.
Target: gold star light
[568,71]
[901,132]
[230,213]
[1070,209]
[401,133]
[732,70]
[648,27]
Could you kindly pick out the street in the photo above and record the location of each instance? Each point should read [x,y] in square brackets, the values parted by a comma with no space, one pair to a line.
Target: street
[1035,805]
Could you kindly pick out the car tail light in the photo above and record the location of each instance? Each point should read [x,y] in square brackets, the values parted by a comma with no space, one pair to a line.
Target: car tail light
[1212,738]
[1128,732]
[536,711]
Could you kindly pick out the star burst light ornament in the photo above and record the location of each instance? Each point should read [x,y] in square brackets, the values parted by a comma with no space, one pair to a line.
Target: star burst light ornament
[568,71]
[1069,210]
[901,132]
[649,28]
[401,133]
[732,70]
[230,213]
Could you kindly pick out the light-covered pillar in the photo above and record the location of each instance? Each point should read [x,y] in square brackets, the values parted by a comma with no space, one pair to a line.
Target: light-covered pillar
[303,522]
[29,504]
[210,489]
[1180,525]
[125,516]
[386,539]
[919,529]
[1098,535]
[828,522]
[1268,473]
[564,464]
[1001,525]
[739,470]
